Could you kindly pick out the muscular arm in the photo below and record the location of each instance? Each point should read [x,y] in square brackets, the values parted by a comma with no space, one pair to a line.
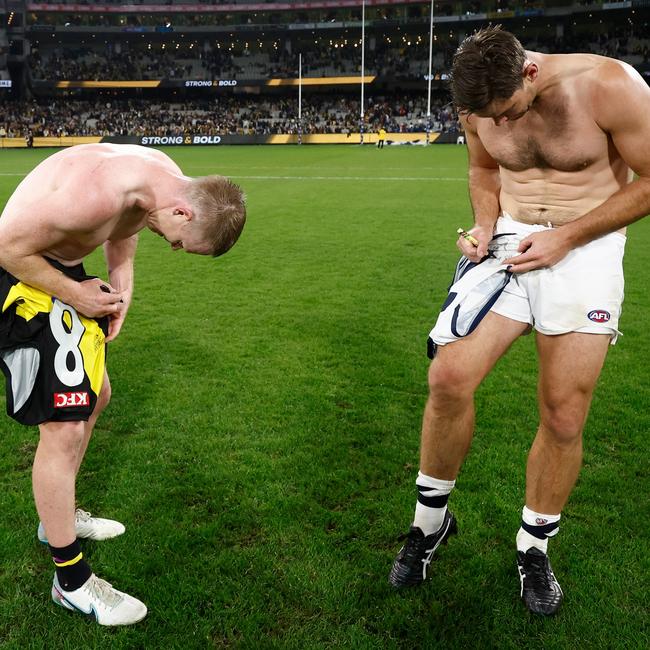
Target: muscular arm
[32,269]
[119,256]
[621,104]
[622,101]
[29,229]
[484,189]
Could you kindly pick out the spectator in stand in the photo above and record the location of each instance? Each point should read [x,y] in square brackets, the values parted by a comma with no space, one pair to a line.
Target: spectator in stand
[230,115]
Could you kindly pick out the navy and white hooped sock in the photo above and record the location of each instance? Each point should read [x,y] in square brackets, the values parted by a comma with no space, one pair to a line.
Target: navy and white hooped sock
[430,509]
[536,528]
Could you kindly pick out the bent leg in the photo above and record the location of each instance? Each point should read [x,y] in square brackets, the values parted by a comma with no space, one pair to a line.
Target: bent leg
[570,365]
[53,479]
[103,399]
[454,375]
[447,429]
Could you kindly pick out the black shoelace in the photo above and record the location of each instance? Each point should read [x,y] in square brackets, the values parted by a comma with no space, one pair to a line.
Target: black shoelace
[413,546]
[538,569]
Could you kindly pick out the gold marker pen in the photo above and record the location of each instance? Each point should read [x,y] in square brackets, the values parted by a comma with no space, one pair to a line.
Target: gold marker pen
[465,235]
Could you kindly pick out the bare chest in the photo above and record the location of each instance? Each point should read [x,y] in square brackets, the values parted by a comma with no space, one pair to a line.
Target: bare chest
[557,142]
[76,245]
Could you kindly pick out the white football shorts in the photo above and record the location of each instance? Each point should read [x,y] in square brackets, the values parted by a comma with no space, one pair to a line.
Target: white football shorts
[583,292]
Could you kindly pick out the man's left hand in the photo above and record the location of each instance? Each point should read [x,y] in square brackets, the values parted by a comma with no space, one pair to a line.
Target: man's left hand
[540,250]
[115,322]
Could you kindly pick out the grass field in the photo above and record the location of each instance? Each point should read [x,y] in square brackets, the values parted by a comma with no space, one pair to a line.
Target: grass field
[262,442]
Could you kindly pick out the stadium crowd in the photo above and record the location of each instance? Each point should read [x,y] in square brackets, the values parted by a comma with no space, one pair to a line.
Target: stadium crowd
[391,58]
[82,63]
[210,61]
[225,116]
[407,58]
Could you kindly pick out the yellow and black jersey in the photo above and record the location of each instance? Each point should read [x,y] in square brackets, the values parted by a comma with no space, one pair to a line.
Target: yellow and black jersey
[52,357]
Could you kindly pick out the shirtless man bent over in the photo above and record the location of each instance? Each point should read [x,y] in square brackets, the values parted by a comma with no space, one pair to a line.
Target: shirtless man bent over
[552,141]
[55,319]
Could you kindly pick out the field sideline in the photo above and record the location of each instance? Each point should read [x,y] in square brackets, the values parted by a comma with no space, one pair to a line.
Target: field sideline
[262,442]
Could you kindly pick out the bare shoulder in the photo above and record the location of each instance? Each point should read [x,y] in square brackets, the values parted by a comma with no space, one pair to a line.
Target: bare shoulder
[80,187]
[616,92]
[119,156]
[79,169]
[116,172]
[590,72]
[146,156]
[609,75]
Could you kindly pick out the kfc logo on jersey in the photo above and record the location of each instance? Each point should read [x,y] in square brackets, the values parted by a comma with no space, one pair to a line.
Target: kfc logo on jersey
[599,316]
[64,400]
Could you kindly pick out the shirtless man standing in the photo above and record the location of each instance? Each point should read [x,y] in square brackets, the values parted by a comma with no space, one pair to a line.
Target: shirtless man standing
[55,320]
[552,141]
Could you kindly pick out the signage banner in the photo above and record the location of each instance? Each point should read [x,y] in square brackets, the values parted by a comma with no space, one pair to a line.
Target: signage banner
[205,84]
[161,140]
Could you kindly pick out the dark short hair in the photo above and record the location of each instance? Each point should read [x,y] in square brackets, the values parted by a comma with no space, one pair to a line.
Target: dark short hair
[487,65]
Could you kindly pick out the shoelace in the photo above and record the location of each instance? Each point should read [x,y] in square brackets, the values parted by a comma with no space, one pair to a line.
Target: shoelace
[104,592]
[537,568]
[82,515]
[413,546]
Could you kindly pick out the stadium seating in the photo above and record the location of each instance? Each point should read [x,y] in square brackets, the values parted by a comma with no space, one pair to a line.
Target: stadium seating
[112,69]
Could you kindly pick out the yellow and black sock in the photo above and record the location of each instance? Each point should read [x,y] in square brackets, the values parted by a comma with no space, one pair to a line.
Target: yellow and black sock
[71,569]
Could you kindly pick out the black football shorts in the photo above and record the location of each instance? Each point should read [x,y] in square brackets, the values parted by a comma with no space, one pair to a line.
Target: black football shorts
[52,357]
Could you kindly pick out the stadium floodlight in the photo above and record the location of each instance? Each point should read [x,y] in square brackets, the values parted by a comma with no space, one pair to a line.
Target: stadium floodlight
[363,65]
[430,75]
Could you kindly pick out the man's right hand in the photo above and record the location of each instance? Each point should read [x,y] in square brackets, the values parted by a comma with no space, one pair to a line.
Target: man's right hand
[95,298]
[475,253]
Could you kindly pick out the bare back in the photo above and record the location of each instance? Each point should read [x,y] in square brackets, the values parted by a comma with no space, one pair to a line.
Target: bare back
[78,198]
[557,163]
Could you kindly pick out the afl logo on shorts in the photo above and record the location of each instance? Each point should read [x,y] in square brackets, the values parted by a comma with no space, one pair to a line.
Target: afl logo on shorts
[599,316]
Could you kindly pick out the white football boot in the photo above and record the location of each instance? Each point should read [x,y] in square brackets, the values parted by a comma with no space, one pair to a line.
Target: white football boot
[100,600]
[88,527]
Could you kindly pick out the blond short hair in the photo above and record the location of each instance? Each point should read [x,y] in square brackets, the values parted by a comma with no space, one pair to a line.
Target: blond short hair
[219,207]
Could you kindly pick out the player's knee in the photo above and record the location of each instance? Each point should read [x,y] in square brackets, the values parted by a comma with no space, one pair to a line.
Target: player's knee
[449,381]
[63,438]
[564,422]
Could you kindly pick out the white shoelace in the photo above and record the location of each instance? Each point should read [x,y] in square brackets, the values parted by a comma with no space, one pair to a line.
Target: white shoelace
[104,592]
[81,515]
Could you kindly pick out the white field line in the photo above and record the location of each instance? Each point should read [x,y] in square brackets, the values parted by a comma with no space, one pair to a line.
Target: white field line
[435,168]
[322,178]
[350,178]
